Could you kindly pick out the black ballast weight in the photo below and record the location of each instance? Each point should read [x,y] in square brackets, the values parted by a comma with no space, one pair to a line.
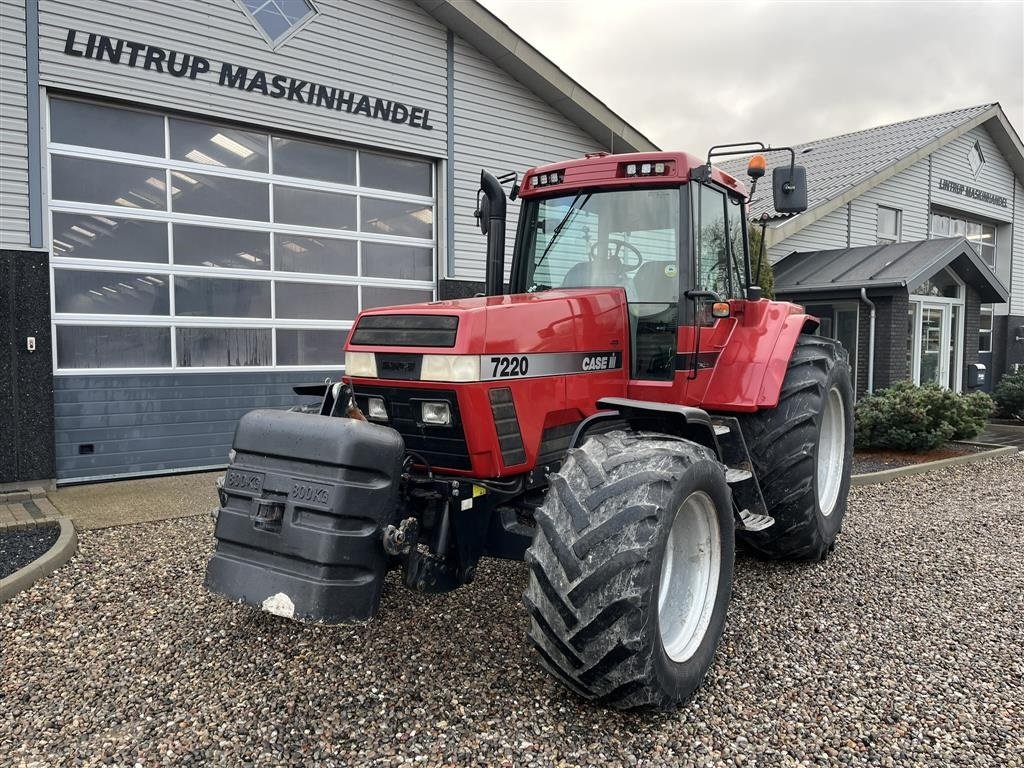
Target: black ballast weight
[302,509]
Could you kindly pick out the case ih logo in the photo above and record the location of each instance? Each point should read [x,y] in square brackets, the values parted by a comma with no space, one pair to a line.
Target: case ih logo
[398,366]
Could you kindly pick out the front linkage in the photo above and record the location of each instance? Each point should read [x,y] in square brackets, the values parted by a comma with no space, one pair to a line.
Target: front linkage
[315,511]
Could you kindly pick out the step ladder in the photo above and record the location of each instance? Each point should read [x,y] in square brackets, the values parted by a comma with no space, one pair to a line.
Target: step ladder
[751,510]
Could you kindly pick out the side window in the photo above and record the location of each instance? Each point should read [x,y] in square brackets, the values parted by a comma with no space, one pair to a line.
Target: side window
[736,253]
[712,236]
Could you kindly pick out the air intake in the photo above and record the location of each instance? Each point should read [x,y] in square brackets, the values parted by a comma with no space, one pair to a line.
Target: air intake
[507,425]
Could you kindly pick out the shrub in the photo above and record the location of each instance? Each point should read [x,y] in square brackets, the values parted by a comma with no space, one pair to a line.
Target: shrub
[1009,395]
[906,417]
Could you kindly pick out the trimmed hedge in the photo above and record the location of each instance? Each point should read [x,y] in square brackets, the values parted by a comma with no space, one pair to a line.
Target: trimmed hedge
[1009,396]
[906,417]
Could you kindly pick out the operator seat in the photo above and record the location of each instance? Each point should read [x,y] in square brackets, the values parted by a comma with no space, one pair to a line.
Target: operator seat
[598,274]
[653,319]
[656,288]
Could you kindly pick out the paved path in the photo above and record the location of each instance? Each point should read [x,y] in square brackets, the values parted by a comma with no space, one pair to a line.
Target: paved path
[146,500]
[1003,434]
[26,509]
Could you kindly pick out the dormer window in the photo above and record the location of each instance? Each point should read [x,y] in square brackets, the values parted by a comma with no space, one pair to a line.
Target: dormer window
[277,20]
[976,158]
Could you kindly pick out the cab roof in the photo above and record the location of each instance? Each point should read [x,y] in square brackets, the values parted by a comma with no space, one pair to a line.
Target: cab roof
[604,170]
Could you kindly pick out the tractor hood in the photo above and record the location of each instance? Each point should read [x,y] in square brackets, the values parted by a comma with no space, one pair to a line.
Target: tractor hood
[576,320]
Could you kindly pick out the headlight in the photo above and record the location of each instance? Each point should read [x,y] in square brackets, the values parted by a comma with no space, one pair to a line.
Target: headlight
[375,409]
[361,364]
[436,413]
[450,368]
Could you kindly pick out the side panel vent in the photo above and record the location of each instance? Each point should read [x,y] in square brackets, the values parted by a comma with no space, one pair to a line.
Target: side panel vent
[507,425]
[406,330]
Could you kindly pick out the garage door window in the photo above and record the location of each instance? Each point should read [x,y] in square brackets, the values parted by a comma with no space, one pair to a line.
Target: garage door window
[191,244]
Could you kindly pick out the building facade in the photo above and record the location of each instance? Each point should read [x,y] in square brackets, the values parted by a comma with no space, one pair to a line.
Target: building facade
[198,198]
[912,248]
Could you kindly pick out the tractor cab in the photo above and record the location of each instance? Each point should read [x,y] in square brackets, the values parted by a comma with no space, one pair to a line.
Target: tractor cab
[668,228]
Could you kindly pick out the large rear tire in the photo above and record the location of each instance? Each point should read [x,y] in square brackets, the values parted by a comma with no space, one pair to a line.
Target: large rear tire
[802,452]
[631,569]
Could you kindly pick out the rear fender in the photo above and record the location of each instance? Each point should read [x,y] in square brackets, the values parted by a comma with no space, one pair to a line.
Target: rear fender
[778,362]
[749,372]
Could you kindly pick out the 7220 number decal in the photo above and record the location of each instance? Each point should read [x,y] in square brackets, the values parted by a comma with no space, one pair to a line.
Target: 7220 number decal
[505,367]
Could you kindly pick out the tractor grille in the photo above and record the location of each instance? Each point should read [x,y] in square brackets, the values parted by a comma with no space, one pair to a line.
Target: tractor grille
[507,425]
[406,330]
[443,447]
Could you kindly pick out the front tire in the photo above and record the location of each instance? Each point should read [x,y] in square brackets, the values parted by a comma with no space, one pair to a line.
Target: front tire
[631,569]
[802,452]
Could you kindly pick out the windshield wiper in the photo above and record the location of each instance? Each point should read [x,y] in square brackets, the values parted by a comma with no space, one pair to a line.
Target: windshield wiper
[561,225]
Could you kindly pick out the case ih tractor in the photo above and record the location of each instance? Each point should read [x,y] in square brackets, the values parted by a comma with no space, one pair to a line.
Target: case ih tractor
[620,418]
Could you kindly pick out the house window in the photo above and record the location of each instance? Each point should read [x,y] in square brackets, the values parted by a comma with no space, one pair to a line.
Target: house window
[942,284]
[889,225]
[985,330]
[976,158]
[840,322]
[981,235]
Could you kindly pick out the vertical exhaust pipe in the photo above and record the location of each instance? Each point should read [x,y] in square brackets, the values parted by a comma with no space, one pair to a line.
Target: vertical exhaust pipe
[491,216]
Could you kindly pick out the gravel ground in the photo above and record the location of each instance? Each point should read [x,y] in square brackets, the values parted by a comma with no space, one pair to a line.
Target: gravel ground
[905,648]
[19,548]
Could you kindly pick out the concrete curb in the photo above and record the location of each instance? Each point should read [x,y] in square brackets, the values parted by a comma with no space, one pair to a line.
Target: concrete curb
[61,551]
[873,478]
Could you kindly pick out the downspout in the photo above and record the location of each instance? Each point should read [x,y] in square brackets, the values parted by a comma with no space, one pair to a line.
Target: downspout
[871,340]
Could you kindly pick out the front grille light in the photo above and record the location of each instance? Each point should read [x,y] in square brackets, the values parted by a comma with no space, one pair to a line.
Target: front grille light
[450,368]
[438,414]
[376,410]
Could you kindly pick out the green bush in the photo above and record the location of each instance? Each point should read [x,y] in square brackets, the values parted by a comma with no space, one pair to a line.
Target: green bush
[1009,396]
[906,417]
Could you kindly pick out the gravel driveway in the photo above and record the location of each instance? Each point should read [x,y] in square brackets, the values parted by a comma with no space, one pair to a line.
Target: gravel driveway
[905,648]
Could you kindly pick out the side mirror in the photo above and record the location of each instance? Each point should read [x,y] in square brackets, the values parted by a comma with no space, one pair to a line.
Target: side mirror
[483,213]
[789,189]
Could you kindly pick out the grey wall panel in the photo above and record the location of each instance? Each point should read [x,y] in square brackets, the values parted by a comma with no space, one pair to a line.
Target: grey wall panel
[907,191]
[14,224]
[1017,262]
[384,48]
[950,162]
[502,126]
[158,422]
[827,232]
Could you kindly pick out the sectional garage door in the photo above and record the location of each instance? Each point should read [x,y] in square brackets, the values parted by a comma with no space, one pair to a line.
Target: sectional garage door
[181,246]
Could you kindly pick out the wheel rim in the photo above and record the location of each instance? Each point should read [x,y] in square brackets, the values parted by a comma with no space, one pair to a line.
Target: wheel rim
[831,451]
[689,577]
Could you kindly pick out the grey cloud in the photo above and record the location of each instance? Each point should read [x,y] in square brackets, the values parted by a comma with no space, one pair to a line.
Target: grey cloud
[693,74]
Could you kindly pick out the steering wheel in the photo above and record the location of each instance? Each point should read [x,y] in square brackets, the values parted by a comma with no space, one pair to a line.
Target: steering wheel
[620,246]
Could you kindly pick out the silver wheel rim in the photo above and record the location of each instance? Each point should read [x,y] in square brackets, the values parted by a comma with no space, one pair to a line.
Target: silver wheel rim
[831,451]
[688,586]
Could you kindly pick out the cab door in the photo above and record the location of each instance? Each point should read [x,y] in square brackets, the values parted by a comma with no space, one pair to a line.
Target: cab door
[719,265]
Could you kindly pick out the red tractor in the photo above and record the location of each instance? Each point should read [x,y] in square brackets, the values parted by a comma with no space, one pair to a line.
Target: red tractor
[619,418]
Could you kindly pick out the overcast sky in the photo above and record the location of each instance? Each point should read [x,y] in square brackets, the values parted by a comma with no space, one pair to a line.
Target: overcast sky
[692,74]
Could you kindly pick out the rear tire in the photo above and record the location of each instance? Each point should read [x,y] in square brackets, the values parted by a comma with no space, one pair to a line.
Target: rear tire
[613,617]
[802,453]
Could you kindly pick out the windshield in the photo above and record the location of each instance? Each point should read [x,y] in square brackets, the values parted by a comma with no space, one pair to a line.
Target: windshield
[627,238]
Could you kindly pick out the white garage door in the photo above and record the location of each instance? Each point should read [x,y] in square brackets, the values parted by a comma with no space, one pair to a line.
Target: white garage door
[180,244]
